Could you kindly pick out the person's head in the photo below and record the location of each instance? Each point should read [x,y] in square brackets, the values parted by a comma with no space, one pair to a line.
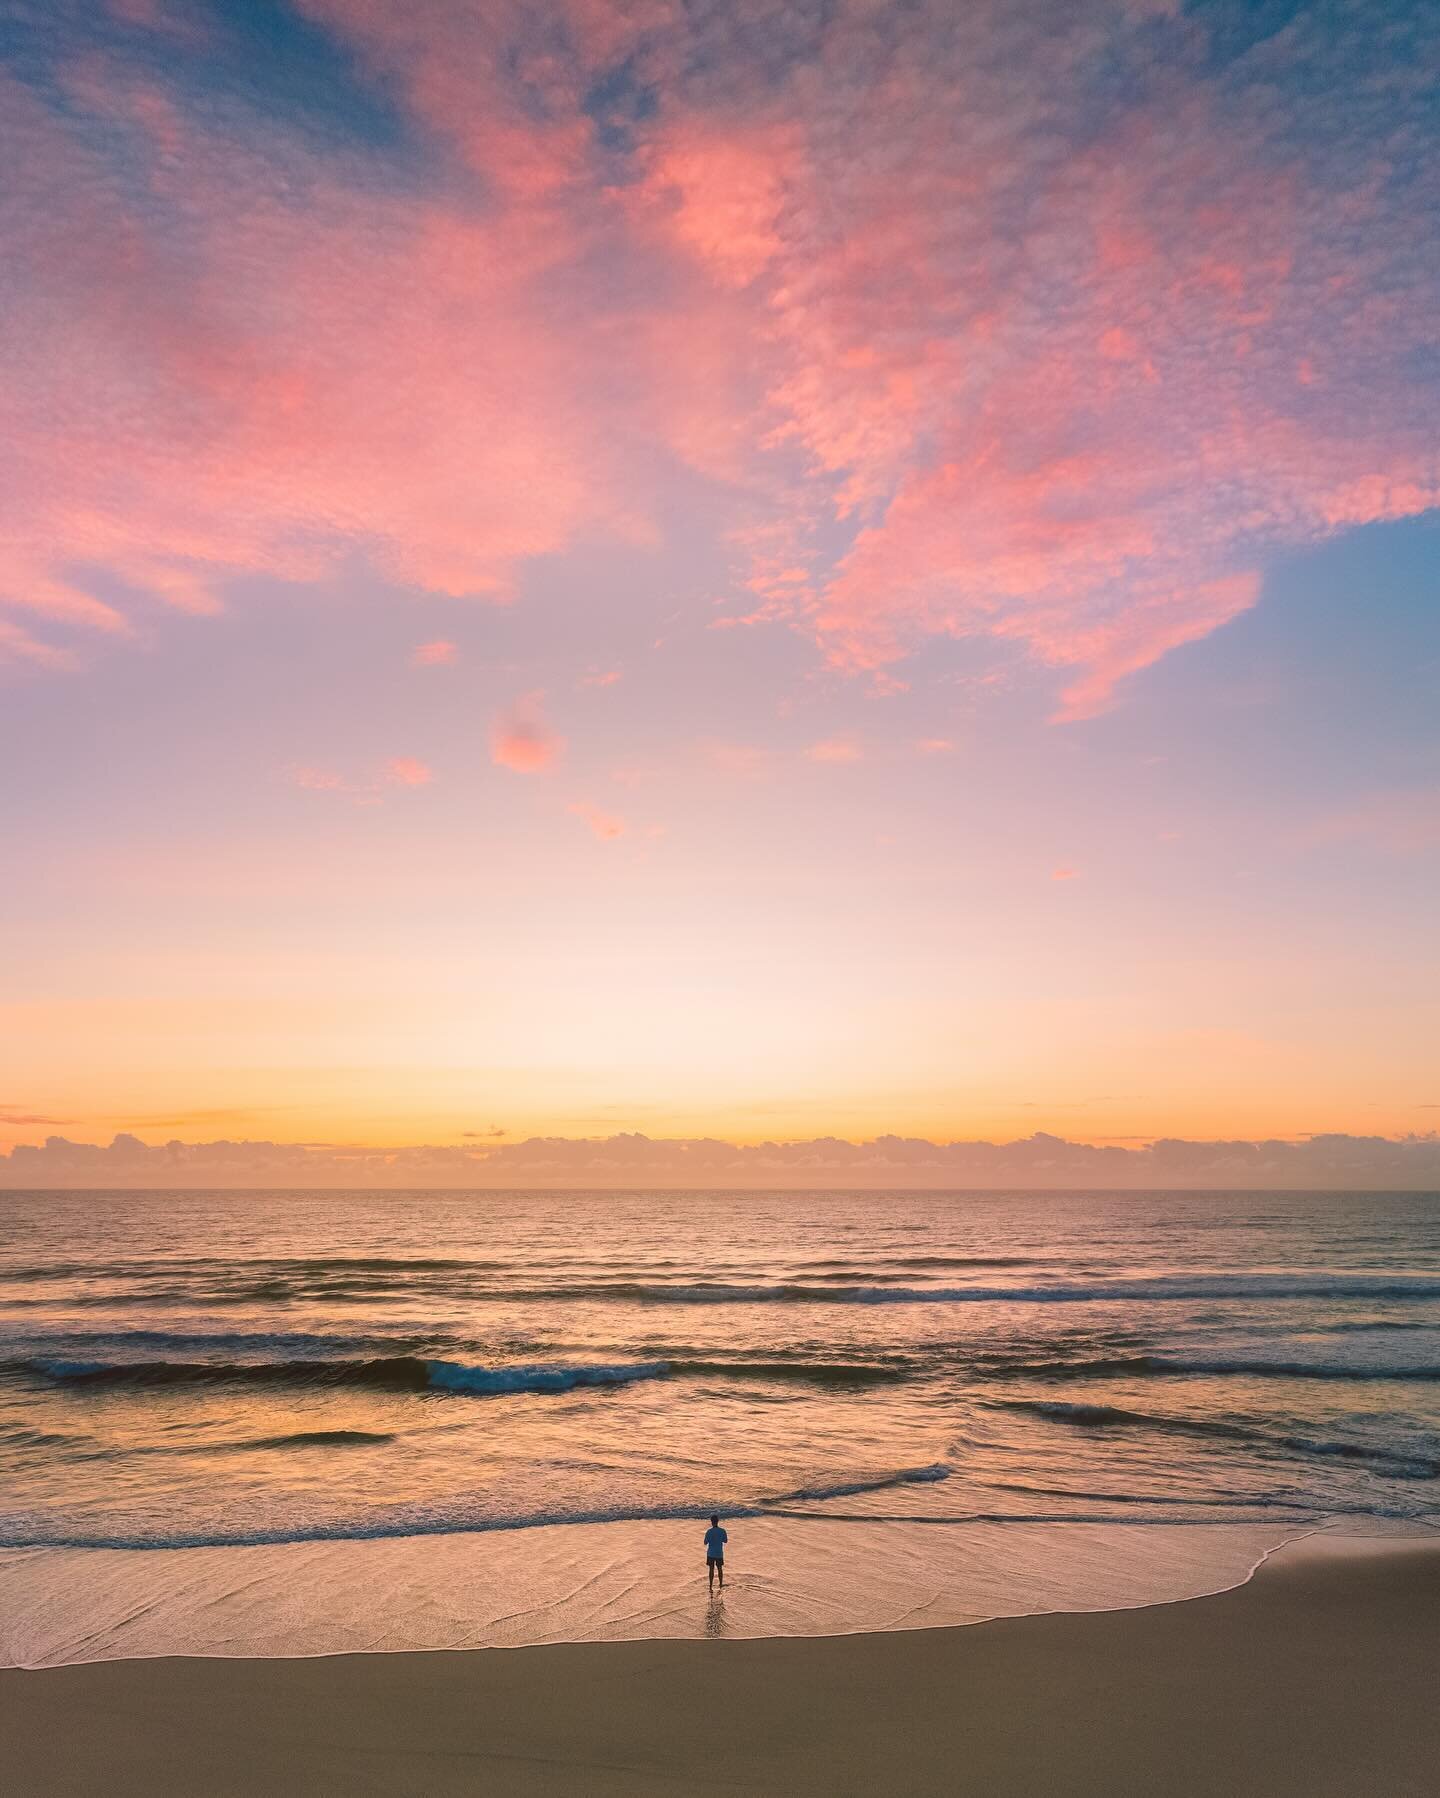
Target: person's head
[714,1523]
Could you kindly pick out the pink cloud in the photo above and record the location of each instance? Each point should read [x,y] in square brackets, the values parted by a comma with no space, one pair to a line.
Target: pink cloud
[1065,874]
[935,746]
[521,740]
[272,425]
[606,677]
[602,824]
[1088,439]
[399,771]
[834,749]
[433,655]
[406,771]
[1072,385]
[316,780]
[724,193]
[18,645]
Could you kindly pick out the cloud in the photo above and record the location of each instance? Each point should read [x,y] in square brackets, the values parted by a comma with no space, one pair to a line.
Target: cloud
[16,1114]
[286,354]
[1065,873]
[433,655]
[834,749]
[602,824]
[605,677]
[935,746]
[628,1162]
[406,771]
[316,780]
[522,741]
[1077,357]
[17,645]
[1040,331]
[399,771]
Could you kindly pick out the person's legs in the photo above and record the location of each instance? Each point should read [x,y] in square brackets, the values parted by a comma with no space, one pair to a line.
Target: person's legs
[710,1569]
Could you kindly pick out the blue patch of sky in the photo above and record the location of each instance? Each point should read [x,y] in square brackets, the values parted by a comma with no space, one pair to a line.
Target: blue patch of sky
[264,56]
[1325,690]
[1232,29]
[1345,67]
[618,101]
[287,66]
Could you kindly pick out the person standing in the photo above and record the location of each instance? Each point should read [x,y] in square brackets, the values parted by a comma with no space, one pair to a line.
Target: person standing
[715,1540]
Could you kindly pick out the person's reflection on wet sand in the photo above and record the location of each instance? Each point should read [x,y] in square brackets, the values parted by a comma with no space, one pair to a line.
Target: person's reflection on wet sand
[715,1617]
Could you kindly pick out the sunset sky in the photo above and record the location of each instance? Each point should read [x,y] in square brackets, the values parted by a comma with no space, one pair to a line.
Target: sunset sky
[721,569]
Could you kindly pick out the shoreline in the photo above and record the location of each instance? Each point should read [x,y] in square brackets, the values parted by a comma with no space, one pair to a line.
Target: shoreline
[606,1583]
[1314,1675]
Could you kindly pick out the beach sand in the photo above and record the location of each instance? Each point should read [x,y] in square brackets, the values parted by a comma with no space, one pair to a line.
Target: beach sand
[1319,1677]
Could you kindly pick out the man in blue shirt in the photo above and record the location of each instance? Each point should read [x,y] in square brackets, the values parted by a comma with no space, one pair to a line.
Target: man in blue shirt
[715,1540]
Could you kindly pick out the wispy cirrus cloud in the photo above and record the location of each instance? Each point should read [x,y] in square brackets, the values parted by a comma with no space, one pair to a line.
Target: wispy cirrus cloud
[439,654]
[17,1114]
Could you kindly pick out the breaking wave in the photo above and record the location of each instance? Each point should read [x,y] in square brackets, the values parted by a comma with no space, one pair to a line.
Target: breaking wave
[1394,1461]
[404,1373]
[907,1476]
[414,1373]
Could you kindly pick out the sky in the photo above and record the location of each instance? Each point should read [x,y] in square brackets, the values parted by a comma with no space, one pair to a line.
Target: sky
[744,572]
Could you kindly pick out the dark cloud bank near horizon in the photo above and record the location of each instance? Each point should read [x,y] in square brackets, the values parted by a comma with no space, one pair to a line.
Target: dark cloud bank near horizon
[1324,1162]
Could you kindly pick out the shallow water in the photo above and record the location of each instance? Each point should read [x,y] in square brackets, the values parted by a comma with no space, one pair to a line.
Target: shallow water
[942,1381]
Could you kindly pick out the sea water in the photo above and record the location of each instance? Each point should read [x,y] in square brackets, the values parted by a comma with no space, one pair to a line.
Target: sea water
[301,1422]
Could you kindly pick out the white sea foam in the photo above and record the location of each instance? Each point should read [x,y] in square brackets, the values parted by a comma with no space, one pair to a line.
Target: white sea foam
[452,1376]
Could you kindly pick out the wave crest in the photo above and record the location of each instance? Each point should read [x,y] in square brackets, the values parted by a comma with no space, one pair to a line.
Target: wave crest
[404,1373]
[1395,1462]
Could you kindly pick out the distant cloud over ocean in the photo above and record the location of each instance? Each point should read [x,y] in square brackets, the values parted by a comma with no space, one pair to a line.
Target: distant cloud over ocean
[628,1160]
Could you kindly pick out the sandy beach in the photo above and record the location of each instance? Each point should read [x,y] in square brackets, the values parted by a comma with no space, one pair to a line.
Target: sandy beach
[1318,1677]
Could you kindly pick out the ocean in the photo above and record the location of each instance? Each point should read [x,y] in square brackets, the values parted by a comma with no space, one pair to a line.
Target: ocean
[311,1422]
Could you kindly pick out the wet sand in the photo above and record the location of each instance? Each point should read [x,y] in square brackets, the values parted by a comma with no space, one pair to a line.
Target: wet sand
[1319,1677]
